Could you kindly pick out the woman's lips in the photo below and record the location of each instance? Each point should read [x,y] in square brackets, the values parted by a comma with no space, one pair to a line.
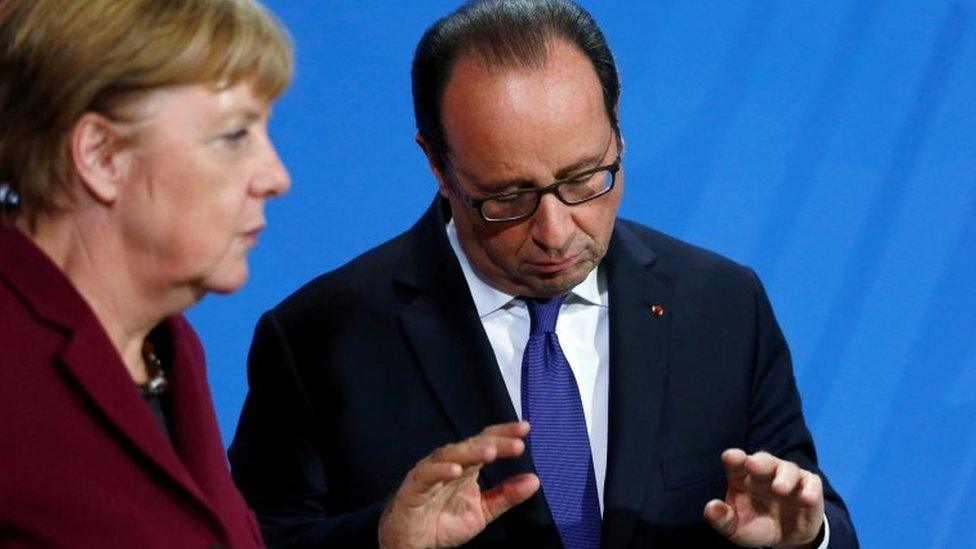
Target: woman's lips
[549,267]
[252,235]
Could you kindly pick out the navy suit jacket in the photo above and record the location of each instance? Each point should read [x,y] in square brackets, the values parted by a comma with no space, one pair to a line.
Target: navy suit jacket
[83,462]
[365,370]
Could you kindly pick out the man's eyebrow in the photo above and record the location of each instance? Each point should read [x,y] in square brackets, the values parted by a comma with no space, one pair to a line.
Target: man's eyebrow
[565,172]
[580,165]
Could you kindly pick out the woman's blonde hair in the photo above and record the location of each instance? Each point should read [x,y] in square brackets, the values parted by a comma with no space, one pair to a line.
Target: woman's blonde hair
[62,58]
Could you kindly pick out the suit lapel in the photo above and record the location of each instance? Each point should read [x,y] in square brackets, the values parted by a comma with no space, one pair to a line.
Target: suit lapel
[444,332]
[638,367]
[450,352]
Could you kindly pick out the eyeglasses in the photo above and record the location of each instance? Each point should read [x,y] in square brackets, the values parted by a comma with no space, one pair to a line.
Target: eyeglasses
[522,203]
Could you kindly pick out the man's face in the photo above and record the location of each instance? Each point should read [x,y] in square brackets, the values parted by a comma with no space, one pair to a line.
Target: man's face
[511,128]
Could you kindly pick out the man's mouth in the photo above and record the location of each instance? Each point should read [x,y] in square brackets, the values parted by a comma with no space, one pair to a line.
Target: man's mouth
[553,266]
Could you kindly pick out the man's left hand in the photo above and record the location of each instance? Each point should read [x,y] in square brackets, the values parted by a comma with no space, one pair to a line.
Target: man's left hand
[770,502]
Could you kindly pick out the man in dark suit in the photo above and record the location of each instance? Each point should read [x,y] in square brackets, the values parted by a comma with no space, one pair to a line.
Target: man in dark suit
[660,400]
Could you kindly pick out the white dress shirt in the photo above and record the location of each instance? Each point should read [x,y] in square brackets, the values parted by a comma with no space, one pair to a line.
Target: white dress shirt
[583,332]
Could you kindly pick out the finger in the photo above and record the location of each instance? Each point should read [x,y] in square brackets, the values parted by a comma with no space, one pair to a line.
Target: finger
[499,446]
[429,473]
[504,447]
[762,468]
[514,429]
[810,489]
[734,461]
[466,453]
[426,477]
[720,516]
[511,492]
[479,450]
[787,478]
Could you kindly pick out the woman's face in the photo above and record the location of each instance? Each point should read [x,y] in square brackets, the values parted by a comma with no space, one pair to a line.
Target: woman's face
[202,168]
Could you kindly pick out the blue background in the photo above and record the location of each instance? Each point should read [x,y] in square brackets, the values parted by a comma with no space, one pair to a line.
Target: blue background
[829,144]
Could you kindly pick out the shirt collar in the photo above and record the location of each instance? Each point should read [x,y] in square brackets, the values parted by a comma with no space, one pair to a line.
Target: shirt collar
[488,299]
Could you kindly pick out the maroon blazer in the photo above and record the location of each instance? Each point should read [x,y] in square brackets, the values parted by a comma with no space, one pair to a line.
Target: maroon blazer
[83,462]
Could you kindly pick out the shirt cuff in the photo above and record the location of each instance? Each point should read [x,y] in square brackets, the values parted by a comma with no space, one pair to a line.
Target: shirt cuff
[826,540]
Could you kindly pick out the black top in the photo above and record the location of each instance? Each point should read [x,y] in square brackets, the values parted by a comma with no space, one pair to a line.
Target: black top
[159,404]
[159,411]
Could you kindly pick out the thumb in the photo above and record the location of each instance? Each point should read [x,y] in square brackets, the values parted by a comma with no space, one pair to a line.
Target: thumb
[511,492]
[721,516]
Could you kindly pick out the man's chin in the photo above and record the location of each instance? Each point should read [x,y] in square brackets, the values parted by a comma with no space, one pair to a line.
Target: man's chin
[545,285]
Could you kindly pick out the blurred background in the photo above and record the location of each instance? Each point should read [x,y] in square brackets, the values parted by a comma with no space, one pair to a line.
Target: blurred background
[828,144]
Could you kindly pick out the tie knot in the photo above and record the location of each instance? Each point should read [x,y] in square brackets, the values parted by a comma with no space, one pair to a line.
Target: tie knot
[543,313]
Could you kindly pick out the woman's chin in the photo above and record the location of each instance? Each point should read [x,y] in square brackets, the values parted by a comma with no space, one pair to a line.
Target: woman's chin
[227,281]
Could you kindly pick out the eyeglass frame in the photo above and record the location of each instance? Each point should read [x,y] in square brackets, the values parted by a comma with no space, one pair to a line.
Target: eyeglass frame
[553,188]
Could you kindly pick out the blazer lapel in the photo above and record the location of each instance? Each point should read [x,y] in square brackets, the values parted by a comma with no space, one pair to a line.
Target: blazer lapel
[89,357]
[193,425]
[442,328]
[92,361]
[639,328]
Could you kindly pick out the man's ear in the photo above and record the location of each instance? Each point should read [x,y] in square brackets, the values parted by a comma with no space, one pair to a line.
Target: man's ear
[98,156]
[442,185]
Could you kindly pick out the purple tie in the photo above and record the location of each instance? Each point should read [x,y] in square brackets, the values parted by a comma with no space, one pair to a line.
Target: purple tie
[558,442]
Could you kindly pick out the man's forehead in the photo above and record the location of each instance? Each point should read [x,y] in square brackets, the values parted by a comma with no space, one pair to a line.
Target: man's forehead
[497,110]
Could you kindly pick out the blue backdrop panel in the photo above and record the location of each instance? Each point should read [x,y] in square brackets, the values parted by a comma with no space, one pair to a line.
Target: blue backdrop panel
[828,144]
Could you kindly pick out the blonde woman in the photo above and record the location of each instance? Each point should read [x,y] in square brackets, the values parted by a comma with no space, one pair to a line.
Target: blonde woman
[134,168]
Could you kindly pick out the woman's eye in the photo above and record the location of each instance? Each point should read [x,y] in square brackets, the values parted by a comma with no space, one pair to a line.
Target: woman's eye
[236,136]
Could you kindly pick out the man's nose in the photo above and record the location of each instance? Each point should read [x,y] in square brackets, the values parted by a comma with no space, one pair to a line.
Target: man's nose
[552,224]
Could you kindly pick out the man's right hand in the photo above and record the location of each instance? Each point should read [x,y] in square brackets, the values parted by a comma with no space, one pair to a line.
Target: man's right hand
[440,503]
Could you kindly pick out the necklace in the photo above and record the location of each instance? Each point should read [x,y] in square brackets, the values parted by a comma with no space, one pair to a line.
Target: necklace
[157,384]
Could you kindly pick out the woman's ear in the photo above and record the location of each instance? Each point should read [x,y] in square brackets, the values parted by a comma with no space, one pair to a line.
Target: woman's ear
[98,156]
